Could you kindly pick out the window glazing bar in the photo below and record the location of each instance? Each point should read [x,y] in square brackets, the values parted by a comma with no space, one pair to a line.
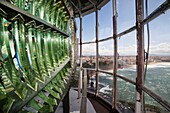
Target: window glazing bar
[140,56]
[157,12]
[115,54]
[97,53]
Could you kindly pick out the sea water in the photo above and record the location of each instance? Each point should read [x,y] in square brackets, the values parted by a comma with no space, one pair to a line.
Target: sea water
[157,80]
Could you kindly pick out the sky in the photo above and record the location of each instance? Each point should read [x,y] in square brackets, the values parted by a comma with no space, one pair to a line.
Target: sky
[159,30]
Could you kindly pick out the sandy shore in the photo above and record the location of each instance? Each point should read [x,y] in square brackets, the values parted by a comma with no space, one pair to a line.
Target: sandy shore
[150,65]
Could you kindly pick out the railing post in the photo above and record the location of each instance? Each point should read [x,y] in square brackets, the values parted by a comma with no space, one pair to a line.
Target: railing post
[85,83]
[140,56]
[80,77]
[97,52]
[115,52]
[84,93]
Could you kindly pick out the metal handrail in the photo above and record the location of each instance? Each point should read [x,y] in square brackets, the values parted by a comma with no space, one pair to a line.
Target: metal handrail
[156,97]
[119,76]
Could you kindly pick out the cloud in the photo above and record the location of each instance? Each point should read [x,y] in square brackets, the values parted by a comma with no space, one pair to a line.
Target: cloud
[157,49]
[94,39]
[154,41]
[127,50]
[90,49]
[104,49]
[105,32]
[162,48]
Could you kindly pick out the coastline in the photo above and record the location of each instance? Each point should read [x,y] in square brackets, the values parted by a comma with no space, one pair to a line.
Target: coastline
[109,68]
[150,65]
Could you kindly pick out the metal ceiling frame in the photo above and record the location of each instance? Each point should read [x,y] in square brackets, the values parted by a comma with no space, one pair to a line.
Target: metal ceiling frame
[87,9]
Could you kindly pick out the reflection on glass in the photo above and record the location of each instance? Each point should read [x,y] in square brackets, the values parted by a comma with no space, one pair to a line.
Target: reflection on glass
[47,53]
[58,81]
[47,98]
[58,18]
[60,48]
[49,6]
[9,75]
[28,53]
[32,6]
[54,13]
[40,7]
[49,38]
[47,10]
[34,52]
[24,56]
[4,60]
[17,34]
[54,48]
[35,105]
[64,73]
[40,46]
[70,32]
[18,3]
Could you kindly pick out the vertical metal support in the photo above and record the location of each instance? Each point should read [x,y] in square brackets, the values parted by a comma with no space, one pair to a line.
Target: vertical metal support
[84,93]
[115,53]
[74,46]
[77,46]
[97,53]
[66,103]
[67,39]
[80,77]
[140,57]
[85,83]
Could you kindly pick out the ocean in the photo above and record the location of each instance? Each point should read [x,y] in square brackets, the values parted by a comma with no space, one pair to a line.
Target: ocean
[157,79]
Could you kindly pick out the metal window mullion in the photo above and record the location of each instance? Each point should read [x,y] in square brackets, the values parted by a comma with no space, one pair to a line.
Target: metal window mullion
[115,53]
[140,56]
[156,13]
[80,77]
[97,53]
